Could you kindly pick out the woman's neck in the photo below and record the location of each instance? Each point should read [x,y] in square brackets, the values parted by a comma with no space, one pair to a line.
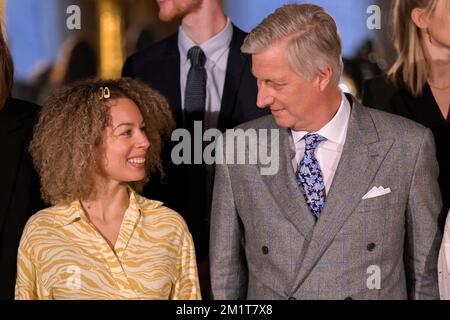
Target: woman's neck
[439,56]
[110,202]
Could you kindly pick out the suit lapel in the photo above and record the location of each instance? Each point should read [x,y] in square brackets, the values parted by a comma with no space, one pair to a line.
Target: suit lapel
[235,66]
[169,80]
[361,158]
[285,190]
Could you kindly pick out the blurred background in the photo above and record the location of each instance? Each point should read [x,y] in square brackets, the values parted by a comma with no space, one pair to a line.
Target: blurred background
[48,51]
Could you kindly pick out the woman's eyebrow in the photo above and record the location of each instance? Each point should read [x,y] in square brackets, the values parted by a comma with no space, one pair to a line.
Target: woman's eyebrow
[123,124]
[128,124]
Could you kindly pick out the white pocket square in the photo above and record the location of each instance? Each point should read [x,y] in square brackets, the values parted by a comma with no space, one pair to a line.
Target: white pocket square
[376,192]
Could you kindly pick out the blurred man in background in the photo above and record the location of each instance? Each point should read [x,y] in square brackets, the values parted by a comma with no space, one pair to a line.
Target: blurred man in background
[205,77]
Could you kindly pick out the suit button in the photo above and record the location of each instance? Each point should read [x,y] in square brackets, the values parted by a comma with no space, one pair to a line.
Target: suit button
[265,250]
[348,298]
[371,246]
[292,298]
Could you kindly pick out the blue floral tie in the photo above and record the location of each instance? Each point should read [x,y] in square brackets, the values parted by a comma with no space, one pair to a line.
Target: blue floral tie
[309,175]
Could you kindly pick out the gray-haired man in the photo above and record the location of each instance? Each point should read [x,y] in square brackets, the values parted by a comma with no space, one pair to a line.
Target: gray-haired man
[352,212]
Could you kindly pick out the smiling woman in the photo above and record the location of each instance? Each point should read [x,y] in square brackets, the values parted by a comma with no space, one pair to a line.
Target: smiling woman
[79,122]
[93,146]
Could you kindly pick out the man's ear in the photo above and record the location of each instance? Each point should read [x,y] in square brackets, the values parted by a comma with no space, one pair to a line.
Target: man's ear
[420,18]
[324,78]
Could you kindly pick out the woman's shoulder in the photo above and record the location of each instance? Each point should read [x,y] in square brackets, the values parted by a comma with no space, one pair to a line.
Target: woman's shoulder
[378,92]
[52,217]
[44,215]
[382,84]
[43,225]
[156,211]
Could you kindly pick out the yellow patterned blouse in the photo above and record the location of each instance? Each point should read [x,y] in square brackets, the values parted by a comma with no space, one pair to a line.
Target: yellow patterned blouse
[62,256]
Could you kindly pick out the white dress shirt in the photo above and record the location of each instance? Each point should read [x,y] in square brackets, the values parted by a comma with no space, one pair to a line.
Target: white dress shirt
[216,51]
[329,151]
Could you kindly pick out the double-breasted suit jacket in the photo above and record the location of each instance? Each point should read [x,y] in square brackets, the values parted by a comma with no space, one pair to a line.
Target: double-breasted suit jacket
[265,243]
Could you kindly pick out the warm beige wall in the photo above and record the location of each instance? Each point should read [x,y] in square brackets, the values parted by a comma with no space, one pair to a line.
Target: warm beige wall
[2,6]
[111,37]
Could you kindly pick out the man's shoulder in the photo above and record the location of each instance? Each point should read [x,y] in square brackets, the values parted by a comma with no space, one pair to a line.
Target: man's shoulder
[251,129]
[392,125]
[156,51]
[264,122]
[238,35]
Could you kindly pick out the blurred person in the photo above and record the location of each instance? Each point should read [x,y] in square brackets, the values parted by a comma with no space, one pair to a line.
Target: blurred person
[138,38]
[418,84]
[351,212]
[77,60]
[205,77]
[94,143]
[19,183]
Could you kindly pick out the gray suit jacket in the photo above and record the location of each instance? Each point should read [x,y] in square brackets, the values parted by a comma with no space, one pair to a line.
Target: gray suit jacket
[265,244]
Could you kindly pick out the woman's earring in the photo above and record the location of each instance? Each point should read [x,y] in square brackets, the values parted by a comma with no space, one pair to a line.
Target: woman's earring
[429,36]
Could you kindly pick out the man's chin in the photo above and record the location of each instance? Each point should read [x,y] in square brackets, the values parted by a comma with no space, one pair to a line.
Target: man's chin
[165,17]
[279,121]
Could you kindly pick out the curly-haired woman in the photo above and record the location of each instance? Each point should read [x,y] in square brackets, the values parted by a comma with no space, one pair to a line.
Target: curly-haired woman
[93,147]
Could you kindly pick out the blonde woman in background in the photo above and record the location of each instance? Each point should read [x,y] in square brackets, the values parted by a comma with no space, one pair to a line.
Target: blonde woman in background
[418,87]
[94,144]
[418,84]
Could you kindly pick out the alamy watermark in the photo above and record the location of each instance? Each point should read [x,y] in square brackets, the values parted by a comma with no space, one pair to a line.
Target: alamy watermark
[374,280]
[73,282]
[374,20]
[73,21]
[236,146]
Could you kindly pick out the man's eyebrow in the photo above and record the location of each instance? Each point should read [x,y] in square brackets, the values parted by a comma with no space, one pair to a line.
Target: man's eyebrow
[278,81]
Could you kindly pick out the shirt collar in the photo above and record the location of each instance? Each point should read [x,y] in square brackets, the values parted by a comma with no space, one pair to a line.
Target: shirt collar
[335,130]
[213,48]
[67,214]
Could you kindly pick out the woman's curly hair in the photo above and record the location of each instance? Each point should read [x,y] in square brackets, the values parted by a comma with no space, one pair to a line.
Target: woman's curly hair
[71,128]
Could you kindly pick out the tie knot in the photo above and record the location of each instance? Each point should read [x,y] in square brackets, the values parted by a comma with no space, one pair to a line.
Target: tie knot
[312,140]
[197,57]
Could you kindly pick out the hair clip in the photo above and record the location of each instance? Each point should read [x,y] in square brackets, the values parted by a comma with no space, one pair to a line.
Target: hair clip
[103,93]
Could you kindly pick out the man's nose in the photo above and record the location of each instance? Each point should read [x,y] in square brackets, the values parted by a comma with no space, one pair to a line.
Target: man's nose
[264,99]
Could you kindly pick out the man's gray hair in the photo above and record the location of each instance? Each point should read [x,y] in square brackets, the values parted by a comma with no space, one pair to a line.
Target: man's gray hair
[314,41]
